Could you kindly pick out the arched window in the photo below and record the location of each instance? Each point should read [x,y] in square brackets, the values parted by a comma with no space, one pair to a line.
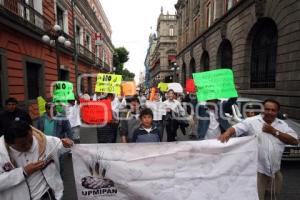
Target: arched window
[264,37]
[171,31]
[183,74]
[204,62]
[224,56]
[192,67]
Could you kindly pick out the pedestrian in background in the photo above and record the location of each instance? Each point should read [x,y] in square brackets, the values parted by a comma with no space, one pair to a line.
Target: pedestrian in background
[12,113]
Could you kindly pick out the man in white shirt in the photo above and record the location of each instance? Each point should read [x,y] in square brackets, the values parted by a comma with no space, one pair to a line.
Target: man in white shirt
[29,164]
[73,115]
[174,109]
[272,134]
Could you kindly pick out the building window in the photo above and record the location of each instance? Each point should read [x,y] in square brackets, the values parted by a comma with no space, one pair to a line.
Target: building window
[64,75]
[62,18]
[224,58]
[88,41]
[90,86]
[171,31]
[204,62]
[209,9]
[33,72]
[215,9]
[229,4]
[77,34]
[264,53]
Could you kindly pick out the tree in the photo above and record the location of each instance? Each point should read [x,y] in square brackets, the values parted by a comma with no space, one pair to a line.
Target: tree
[121,56]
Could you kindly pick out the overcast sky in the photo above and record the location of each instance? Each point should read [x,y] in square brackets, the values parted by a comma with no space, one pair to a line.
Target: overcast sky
[131,22]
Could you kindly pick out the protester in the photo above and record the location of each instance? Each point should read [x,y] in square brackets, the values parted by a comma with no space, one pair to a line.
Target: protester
[147,132]
[212,121]
[54,124]
[159,111]
[272,134]
[86,96]
[73,115]
[29,164]
[130,120]
[174,111]
[107,133]
[12,113]
[189,102]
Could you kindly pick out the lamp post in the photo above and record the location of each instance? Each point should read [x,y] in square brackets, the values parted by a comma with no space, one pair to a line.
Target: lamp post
[56,38]
[174,69]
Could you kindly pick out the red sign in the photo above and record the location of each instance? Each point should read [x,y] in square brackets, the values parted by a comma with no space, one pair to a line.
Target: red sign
[98,36]
[96,112]
[190,86]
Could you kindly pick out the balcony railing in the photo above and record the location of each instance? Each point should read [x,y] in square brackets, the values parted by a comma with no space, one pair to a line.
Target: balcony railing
[24,13]
[83,51]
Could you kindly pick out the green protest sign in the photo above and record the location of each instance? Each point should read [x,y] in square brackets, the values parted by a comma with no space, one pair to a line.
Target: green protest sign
[63,91]
[215,84]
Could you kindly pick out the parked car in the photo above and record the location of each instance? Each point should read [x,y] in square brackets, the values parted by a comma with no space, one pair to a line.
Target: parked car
[247,106]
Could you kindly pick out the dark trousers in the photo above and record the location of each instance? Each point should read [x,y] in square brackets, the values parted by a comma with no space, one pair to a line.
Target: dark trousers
[160,126]
[107,133]
[171,127]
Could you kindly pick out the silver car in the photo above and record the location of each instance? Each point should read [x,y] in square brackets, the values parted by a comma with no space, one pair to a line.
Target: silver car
[246,107]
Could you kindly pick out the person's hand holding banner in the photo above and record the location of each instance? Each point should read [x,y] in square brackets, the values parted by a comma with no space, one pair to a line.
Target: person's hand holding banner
[215,84]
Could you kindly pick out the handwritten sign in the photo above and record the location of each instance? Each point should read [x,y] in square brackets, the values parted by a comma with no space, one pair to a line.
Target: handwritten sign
[41,105]
[128,88]
[108,83]
[63,91]
[215,84]
[96,112]
[163,87]
[190,86]
[152,94]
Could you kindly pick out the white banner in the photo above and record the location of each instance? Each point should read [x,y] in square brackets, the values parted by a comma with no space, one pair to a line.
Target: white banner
[193,170]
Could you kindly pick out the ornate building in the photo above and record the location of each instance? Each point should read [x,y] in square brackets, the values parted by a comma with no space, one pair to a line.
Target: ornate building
[33,54]
[163,56]
[258,39]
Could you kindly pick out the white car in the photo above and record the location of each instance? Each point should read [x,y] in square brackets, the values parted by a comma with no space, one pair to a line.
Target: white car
[248,106]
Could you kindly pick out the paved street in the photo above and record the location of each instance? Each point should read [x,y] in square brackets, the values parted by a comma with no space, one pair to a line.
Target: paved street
[290,170]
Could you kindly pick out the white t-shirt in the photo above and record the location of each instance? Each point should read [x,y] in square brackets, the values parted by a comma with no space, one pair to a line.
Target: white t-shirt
[214,127]
[158,108]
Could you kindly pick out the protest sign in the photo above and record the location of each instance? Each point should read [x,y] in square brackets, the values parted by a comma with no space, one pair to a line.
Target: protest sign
[152,93]
[190,86]
[41,105]
[128,88]
[96,112]
[207,170]
[163,87]
[63,91]
[215,84]
[108,83]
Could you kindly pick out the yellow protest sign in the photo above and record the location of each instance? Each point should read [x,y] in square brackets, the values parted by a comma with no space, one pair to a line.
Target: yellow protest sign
[128,88]
[41,104]
[163,87]
[108,83]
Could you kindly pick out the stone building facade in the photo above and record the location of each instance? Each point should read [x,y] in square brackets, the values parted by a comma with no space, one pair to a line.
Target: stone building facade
[28,65]
[164,53]
[258,39]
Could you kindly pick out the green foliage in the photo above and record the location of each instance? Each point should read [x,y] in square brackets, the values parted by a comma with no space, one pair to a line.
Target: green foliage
[121,56]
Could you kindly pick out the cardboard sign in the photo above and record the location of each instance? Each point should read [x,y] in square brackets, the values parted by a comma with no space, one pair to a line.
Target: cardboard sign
[190,86]
[202,170]
[163,87]
[63,91]
[108,83]
[152,94]
[41,105]
[96,112]
[128,88]
[215,84]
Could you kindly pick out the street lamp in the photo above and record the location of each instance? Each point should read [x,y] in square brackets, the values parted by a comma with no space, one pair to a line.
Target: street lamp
[56,39]
[174,68]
